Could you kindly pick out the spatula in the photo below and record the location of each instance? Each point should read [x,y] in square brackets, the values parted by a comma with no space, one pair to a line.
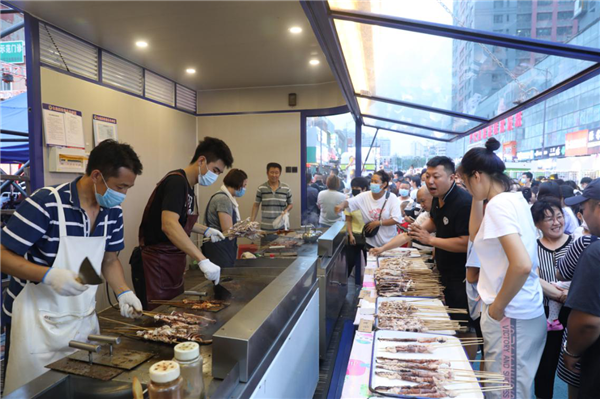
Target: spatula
[87,274]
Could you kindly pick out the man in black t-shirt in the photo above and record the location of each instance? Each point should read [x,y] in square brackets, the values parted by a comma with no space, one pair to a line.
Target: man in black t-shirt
[583,343]
[168,221]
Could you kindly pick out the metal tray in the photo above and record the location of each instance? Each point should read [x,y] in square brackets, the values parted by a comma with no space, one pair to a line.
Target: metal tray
[423,300]
[456,354]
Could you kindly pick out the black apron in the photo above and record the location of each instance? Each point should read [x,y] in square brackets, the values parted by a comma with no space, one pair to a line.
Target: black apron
[222,253]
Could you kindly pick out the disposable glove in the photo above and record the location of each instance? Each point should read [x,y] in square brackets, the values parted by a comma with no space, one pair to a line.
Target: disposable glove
[211,271]
[214,234]
[64,282]
[130,305]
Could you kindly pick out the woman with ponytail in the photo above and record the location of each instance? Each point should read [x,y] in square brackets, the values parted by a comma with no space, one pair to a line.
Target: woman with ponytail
[512,317]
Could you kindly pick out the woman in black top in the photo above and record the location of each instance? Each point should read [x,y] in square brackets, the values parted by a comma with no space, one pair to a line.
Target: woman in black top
[549,219]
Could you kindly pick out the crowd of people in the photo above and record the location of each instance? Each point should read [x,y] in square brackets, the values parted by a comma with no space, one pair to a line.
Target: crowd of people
[520,254]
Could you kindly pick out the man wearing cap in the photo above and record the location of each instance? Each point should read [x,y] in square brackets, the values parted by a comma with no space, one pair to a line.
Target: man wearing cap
[583,343]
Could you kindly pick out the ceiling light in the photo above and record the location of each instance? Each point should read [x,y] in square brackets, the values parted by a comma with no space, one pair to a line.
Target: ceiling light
[141,44]
[295,30]
[190,70]
[314,62]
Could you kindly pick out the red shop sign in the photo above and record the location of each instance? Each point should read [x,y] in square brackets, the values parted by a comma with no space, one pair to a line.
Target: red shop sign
[505,125]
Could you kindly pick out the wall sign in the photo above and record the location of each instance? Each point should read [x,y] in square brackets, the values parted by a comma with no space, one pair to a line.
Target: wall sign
[62,126]
[505,125]
[104,128]
[12,52]
[594,141]
[576,143]
[509,150]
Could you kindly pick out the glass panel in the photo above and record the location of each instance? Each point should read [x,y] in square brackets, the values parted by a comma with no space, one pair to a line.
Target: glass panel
[330,148]
[407,129]
[395,152]
[556,21]
[416,116]
[446,73]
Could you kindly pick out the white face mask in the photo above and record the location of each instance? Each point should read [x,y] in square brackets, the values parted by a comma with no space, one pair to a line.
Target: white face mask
[208,178]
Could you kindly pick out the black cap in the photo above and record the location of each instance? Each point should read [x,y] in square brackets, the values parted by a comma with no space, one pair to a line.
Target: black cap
[592,191]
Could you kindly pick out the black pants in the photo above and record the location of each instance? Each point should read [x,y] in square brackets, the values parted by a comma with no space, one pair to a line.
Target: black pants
[353,259]
[544,378]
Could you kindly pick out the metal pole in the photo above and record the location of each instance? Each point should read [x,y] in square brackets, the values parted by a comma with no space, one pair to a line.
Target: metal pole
[369,152]
[12,29]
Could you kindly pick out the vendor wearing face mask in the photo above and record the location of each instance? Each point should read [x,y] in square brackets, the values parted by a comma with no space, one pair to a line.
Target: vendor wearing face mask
[43,246]
[169,219]
[222,212]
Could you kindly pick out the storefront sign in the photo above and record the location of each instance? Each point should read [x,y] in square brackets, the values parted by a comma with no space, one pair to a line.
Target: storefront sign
[540,154]
[556,151]
[576,143]
[594,141]
[525,155]
[509,150]
[505,125]
[12,52]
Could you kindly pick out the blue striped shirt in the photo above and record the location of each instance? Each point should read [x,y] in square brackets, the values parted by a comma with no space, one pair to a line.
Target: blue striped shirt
[33,231]
[273,203]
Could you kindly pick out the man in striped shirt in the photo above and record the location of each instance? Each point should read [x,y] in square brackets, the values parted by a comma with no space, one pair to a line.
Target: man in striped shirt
[274,197]
[91,203]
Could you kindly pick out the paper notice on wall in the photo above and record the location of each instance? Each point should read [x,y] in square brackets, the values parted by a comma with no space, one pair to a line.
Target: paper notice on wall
[104,128]
[63,126]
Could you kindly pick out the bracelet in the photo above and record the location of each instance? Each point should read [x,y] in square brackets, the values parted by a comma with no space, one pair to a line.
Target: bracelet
[569,353]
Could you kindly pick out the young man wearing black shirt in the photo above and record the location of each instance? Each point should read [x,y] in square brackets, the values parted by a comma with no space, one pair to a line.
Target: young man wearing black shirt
[583,343]
[450,213]
[169,219]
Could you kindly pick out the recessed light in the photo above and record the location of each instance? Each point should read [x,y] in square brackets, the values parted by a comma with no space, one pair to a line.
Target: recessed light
[190,70]
[141,44]
[295,30]
[314,62]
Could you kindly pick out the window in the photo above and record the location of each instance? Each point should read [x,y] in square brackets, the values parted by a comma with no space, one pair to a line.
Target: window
[545,3]
[122,74]
[6,86]
[565,15]
[524,32]
[524,18]
[540,32]
[498,19]
[498,3]
[563,30]
[494,77]
[544,16]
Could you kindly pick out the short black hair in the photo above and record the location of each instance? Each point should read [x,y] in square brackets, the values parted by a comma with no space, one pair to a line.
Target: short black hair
[416,179]
[360,182]
[585,180]
[213,149]
[235,178]
[385,178]
[485,160]
[446,162]
[308,177]
[526,191]
[573,184]
[335,171]
[109,156]
[550,189]
[538,210]
[567,191]
[528,174]
[274,165]
[399,173]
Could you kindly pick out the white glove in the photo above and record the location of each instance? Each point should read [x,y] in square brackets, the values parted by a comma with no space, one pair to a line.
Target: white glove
[64,282]
[211,271]
[214,234]
[130,305]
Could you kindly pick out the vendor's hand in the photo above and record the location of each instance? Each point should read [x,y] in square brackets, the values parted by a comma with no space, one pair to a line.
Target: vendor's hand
[496,314]
[64,282]
[211,271]
[214,234]
[130,305]
[571,361]
[372,225]
[420,234]
[376,251]
[351,239]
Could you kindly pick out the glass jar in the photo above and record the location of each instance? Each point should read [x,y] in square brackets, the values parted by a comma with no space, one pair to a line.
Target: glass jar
[187,354]
[165,381]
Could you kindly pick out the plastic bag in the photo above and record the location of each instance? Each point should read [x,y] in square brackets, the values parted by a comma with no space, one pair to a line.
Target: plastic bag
[282,222]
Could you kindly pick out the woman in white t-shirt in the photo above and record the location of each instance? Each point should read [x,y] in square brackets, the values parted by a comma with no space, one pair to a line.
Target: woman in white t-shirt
[513,322]
[327,200]
[370,204]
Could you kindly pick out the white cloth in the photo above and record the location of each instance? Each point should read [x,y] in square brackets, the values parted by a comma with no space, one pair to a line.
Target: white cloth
[473,298]
[508,213]
[44,322]
[236,207]
[413,193]
[571,221]
[370,210]
[327,201]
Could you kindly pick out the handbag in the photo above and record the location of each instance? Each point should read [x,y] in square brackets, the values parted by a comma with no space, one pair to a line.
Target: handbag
[370,234]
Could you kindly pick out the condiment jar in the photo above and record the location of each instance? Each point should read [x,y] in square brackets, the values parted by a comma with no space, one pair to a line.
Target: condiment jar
[165,381]
[187,354]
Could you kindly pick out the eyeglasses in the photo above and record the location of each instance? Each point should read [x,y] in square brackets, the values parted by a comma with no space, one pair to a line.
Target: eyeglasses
[556,218]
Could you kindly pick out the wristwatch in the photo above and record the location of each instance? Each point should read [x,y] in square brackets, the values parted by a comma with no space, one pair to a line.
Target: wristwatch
[569,353]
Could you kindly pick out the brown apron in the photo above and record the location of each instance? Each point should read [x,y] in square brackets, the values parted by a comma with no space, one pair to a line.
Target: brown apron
[163,263]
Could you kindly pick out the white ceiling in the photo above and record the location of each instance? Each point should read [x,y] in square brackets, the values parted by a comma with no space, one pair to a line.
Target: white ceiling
[231,44]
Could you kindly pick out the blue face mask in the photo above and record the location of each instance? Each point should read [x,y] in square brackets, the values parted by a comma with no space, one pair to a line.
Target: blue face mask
[240,192]
[375,188]
[208,178]
[404,193]
[111,198]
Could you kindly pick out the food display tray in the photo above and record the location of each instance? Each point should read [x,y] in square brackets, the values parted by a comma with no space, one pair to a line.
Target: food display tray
[456,355]
[422,300]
